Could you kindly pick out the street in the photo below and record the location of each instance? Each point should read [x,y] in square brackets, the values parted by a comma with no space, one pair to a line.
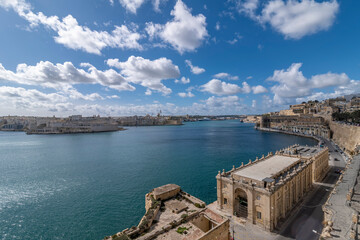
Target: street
[306,222]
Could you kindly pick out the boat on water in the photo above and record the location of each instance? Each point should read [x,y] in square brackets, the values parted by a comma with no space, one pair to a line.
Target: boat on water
[205,119]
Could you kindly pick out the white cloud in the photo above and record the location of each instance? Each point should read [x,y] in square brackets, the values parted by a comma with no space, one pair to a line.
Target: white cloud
[218,87]
[329,79]
[74,36]
[156,4]
[183,80]
[147,73]
[61,76]
[259,89]
[188,94]
[18,100]
[221,105]
[236,39]
[131,5]
[253,104]
[292,18]
[33,95]
[292,84]
[184,33]
[247,7]
[113,97]
[75,94]
[297,19]
[194,69]
[217,26]
[232,42]
[148,92]
[224,75]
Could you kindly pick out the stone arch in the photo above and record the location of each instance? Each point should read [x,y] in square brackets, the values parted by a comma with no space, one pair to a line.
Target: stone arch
[241,203]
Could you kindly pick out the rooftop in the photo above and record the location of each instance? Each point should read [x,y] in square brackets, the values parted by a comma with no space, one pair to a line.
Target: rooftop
[266,168]
[165,188]
[305,151]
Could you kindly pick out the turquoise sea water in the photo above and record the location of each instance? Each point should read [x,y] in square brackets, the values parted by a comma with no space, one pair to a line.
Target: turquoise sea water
[87,186]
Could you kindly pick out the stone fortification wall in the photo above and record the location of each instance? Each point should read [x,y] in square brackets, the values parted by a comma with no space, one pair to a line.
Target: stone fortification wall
[346,136]
[220,232]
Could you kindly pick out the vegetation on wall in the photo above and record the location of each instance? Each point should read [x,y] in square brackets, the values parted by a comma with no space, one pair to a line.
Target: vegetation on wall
[347,116]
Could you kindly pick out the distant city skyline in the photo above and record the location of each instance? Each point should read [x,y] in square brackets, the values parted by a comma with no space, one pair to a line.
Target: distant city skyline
[137,57]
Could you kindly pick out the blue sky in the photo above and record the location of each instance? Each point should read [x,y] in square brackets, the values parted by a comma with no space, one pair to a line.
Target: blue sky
[137,57]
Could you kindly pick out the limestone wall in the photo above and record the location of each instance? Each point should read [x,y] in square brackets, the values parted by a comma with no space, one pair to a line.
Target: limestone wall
[346,136]
[220,232]
[202,222]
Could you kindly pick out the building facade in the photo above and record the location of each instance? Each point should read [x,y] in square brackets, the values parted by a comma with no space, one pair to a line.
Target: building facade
[264,191]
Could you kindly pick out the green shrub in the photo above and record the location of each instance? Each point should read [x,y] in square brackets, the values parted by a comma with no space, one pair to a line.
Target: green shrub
[182,230]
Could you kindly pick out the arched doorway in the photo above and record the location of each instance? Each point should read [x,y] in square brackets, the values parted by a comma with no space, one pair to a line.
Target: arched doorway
[241,203]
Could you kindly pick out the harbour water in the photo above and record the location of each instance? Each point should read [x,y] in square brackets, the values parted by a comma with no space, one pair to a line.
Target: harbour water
[87,186]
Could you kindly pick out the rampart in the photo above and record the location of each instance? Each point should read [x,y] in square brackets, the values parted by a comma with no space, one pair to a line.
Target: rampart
[346,136]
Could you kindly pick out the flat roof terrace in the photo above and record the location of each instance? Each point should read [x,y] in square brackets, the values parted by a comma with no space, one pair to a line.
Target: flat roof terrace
[266,168]
[307,151]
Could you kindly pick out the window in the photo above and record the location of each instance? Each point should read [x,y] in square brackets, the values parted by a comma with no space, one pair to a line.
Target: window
[225,200]
[258,214]
[257,197]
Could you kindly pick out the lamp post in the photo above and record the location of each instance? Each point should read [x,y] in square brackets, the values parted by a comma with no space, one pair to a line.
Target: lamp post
[314,231]
[233,230]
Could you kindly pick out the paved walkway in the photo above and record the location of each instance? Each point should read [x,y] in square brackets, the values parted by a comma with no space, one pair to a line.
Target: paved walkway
[339,205]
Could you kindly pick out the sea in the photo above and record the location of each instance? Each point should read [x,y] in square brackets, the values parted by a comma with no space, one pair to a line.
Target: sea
[88,186]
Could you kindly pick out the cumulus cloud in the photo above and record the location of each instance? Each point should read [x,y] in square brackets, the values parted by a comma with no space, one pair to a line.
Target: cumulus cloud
[247,7]
[212,105]
[292,18]
[75,94]
[184,32]
[148,92]
[235,39]
[62,76]
[194,69]
[17,100]
[222,105]
[113,97]
[34,102]
[156,4]
[259,89]
[183,80]
[253,104]
[131,5]
[34,95]
[292,84]
[224,75]
[217,26]
[184,95]
[74,36]
[218,87]
[147,73]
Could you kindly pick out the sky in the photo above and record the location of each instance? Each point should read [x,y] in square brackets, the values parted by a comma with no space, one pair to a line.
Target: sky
[138,57]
